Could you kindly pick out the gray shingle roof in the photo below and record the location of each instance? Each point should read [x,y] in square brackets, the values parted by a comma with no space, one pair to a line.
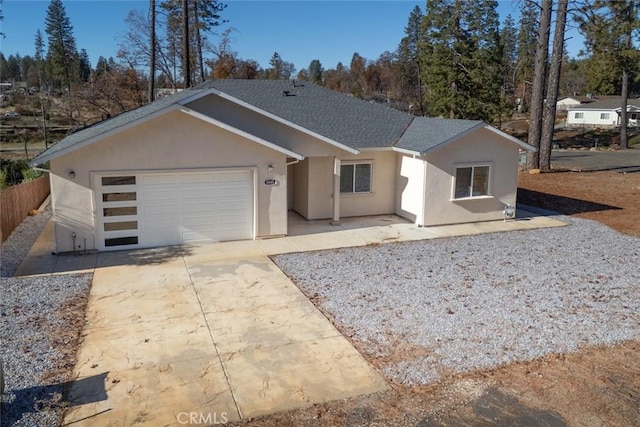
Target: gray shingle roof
[425,133]
[342,118]
[608,103]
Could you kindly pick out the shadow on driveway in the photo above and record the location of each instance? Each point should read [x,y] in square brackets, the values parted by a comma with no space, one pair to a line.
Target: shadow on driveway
[38,398]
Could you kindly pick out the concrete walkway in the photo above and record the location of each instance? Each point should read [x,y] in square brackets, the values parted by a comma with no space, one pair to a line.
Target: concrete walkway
[216,332]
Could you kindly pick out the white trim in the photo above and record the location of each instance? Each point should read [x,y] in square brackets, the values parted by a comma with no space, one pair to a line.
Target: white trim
[513,139]
[354,163]
[239,132]
[472,129]
[255,109]
[472,165]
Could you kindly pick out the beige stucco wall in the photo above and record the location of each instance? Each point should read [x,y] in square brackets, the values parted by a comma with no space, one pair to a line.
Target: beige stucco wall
[410,188]
[313,187]
[300,191]
[172,141]
[381,201]
[484,147]
[264,127]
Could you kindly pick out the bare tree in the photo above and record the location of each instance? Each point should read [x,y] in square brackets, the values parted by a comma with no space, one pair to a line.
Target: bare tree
[186,57]
[537,89]
[152,50]
[553,86]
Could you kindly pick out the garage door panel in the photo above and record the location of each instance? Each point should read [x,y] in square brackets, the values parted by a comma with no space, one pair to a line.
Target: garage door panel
[174,208]
[158,179]
[162,194]
[197,178]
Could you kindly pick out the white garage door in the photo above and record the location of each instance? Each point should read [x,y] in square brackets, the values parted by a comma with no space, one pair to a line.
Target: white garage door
[165,208]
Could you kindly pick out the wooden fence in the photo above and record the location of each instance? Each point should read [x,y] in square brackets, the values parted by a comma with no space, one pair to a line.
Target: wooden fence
[18,200]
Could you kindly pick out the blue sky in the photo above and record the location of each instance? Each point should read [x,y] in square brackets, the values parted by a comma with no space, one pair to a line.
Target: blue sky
[299,31]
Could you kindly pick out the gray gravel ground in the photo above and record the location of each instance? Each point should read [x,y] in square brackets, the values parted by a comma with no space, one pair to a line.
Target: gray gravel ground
[41,319]
[17,245]
[426,309]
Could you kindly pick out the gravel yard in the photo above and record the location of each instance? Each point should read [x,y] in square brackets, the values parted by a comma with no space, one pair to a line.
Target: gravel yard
[42,318]
[424,310]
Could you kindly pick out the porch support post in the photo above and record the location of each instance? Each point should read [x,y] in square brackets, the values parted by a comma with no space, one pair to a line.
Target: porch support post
[336,192]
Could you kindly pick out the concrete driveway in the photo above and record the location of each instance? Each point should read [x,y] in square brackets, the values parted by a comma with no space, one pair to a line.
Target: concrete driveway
[193,335]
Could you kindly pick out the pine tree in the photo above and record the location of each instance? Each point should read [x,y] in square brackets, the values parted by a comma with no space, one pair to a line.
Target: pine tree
[408,63]
[553,86]
[509,40]
[462,59]
[527,35]
[538,84]
[314,74]
[39,58]
[62,52]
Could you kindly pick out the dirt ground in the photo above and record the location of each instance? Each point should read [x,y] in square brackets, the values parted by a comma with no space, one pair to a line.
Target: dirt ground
[594,387]
[611,197]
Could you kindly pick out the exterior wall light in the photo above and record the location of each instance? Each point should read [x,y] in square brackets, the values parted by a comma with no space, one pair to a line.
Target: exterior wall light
[72,175]
[270,168]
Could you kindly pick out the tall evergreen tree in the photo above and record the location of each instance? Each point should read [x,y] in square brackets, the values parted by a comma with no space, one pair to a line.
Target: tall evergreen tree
[527,35]
[408,63]
[509,40]
[62,52]
[461,63]
[315,72]
[39,58]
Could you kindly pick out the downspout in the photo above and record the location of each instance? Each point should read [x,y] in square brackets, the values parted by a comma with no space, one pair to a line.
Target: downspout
[424,193]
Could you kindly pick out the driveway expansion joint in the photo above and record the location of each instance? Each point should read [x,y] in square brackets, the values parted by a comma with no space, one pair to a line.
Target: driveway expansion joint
[213,340]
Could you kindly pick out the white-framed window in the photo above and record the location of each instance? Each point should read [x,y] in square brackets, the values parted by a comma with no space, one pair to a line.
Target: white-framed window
[578,115]
[605,116]
[355,177]
[471,181]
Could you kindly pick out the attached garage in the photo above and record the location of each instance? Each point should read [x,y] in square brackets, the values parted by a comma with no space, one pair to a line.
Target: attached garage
[167,207]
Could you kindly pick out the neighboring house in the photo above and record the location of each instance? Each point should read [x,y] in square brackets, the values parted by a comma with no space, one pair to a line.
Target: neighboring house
[567,102]
[226,160]
[604,113]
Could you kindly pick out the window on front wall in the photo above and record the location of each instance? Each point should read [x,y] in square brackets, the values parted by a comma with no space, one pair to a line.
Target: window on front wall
[604,116]
[472,181]
[578,116]
[355,178]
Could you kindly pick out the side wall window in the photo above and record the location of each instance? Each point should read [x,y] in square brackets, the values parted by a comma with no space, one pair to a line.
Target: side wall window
[472,181]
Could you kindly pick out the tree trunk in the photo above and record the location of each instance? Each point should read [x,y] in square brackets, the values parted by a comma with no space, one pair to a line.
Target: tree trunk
[624,121]
[198,42]
[152,60]
[186,55]
[553,86]
[44,121]
[537,89]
